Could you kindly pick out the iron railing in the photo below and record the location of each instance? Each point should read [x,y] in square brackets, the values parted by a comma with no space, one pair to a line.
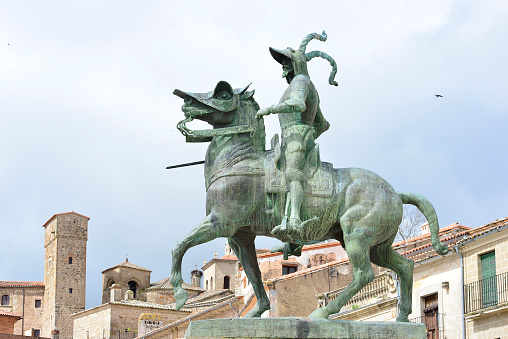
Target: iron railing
[383,286]
[433,325]
[486,293]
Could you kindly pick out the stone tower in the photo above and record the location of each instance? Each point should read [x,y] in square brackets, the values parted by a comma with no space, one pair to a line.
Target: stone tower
[196,278]
[129,277]
[64,272]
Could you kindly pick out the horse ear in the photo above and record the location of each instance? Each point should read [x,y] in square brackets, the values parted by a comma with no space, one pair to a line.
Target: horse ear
[243,90]
[247,95]
[222,86]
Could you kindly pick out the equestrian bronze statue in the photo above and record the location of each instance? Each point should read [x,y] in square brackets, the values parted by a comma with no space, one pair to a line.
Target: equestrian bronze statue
[249,194]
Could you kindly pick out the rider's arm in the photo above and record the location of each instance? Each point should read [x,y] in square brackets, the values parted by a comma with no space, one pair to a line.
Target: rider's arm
[295,103]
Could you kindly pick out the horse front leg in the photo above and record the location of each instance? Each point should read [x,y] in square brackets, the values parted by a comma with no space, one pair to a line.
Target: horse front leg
[245,249]
[206,231]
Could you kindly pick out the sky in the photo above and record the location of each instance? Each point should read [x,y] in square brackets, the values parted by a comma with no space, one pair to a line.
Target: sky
[88,118]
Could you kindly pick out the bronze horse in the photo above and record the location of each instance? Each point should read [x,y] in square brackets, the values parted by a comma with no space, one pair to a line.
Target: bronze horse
[361,210]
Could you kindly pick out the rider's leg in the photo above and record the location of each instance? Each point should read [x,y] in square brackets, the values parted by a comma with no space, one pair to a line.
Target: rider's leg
[295,158]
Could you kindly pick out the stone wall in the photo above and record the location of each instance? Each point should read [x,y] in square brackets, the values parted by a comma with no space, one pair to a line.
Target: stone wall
[296,296]
[178,330]
[428,280]
[494,323]
[111,318]
[93,325]
[33,315]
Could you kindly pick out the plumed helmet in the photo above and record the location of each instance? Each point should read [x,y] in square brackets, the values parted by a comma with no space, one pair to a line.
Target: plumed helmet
[298,58]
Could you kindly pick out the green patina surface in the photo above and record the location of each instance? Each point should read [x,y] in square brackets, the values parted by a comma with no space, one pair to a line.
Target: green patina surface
[252,191]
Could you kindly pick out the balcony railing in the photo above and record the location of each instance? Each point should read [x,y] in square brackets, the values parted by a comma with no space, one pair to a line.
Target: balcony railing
[382,287]
[433,324]
[486,293]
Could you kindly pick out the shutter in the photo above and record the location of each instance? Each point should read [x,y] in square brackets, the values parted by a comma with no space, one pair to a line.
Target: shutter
[488,282]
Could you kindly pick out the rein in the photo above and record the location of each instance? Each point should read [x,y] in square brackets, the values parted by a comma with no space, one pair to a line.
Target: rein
[210,133]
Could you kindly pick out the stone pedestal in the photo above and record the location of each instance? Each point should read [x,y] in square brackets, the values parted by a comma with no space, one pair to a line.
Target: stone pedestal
[283,328]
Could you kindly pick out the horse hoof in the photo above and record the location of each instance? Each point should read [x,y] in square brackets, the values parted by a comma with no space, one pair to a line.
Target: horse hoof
[256,312]
[319,313]
[181,297]
[402,319]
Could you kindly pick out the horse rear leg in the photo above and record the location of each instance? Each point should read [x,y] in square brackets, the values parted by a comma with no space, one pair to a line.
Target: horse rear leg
[206,231]
[387,257]
[244,248]
[357,248]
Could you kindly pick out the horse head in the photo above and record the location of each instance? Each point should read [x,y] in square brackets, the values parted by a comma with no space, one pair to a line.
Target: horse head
[228,110]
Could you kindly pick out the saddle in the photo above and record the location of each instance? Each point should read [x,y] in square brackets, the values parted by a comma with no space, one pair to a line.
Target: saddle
[319,180]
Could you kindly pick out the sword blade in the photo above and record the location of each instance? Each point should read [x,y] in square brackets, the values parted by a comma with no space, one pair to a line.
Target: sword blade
[187,164]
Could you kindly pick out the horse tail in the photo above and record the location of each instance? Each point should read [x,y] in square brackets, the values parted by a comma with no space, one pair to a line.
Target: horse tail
[430,214]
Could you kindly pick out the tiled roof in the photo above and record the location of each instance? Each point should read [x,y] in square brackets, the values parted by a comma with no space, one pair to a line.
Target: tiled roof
[164,284]
[47,222]
[206,296]
[21,284]
[127,264]
[144,304]
[305,248]
[132,303]
[427,235]
[229,257]
[9,314]
[487,228]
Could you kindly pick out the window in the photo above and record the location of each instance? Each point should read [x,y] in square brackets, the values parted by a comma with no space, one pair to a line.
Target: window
[488,282]
[38,303]
[211,283]
[37,333]
[5,300]
[70,290]
[226,282]
[206,285]
[287,269]
[70,260]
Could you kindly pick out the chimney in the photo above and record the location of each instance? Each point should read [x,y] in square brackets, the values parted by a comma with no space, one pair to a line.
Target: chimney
[196,278]
[425,228]
[115,293]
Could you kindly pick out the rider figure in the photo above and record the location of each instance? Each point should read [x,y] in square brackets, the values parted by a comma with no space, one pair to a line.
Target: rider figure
[300,117]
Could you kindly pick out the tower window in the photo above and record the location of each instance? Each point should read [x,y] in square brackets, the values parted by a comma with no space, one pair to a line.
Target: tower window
[133,287]
[226,282]
[38,303]
[70,290]
[5,300]
[37,333]
[70,260]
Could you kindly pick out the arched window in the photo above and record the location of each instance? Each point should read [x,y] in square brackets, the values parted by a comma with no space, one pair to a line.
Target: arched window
[226,282]
[111,282]
[206,285]
[6,300]
[211,283]
[70,260]
[133,287]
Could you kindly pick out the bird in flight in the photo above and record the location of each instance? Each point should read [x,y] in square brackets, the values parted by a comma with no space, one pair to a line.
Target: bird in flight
[438,95]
